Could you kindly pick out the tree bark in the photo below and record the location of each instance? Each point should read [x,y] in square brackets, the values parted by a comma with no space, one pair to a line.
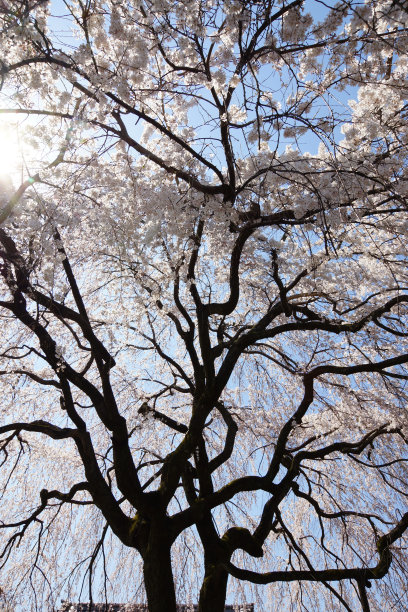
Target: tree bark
[214,590]
[158,575]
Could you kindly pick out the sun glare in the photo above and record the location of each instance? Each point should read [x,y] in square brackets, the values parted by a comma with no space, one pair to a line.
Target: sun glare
[11,157]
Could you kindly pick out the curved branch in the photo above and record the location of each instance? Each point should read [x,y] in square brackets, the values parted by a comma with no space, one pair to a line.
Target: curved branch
[226,308]
[232,429]
[331,575]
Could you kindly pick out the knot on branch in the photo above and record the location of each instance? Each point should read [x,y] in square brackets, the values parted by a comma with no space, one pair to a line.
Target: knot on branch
[238,537]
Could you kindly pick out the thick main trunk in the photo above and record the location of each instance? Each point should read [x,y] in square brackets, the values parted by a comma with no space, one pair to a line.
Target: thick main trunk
[158,575]
[214,590]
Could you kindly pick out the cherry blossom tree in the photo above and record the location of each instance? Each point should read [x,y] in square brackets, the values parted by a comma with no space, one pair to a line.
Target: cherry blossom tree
[204,303]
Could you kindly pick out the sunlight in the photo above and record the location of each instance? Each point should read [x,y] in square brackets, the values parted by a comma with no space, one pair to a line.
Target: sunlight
[11,156]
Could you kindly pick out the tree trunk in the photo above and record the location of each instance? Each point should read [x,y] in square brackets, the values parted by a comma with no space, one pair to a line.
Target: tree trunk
[214,590]
[158,575]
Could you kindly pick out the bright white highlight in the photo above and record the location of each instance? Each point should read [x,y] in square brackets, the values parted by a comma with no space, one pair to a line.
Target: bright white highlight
[11,156]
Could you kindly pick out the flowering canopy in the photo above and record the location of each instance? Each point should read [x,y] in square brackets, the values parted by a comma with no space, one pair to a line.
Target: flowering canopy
[204,301]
